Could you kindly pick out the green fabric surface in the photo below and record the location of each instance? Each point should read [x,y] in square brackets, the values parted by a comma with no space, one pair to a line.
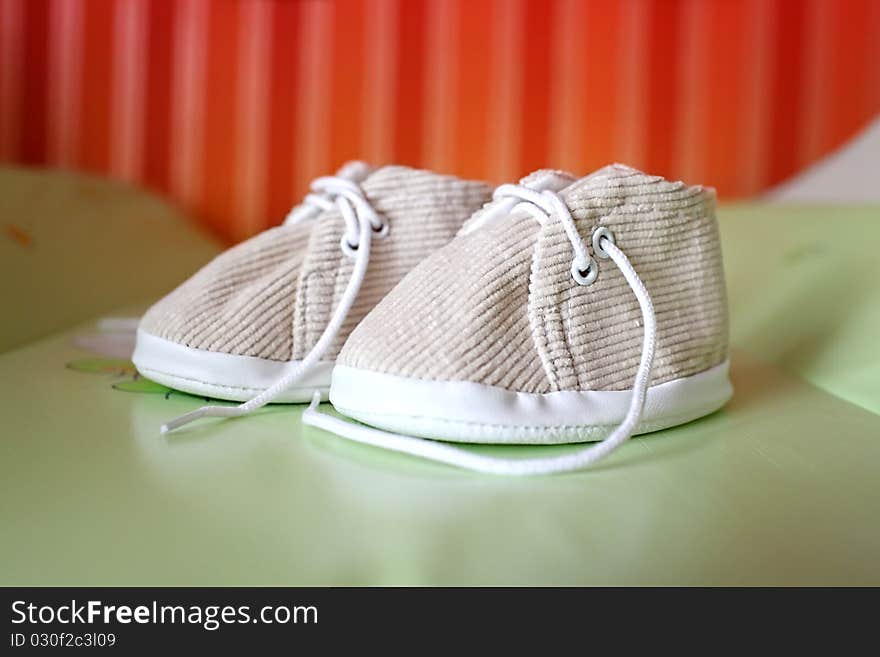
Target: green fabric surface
[804,285]
[780,487]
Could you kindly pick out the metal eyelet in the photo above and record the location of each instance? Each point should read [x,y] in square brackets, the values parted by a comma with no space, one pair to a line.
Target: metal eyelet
[584,275]
[347,248]
[381,231]
[598,234]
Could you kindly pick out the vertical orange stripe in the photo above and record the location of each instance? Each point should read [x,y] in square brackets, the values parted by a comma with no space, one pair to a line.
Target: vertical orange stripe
[96,93]
[251,130]
[850,87]
[314,126]
[157,126]
[816,66]
[755,69]
[787,89]
[441,66]
[346,103]
[189,104]
[725,107]
[535,90]
[663,87]
[873,59]
[691,120]
[602,36]
[218,168]
[284,107]
[128,112]
[569,97]
[470,135]
[66,39]
[631,64]
[378,86]
[410,104]
[505,89]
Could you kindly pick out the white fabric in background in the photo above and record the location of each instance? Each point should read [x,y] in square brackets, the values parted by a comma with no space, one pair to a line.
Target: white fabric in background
[849,175]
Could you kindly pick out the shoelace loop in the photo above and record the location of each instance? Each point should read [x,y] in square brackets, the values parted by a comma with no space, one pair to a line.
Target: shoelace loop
[546,205]
[348,197]
[362,224]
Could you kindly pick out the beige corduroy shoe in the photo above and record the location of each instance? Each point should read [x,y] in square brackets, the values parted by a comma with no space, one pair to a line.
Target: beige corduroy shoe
[266,319]
[590,314]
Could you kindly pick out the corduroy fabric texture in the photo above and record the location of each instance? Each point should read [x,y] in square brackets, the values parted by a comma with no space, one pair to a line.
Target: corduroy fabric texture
[271,296]
[498,305]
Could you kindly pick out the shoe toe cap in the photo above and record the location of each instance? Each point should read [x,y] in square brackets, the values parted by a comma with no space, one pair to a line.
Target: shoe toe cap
[240,303]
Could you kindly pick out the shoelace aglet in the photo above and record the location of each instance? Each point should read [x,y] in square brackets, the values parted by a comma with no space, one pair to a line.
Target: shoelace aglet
[184,419]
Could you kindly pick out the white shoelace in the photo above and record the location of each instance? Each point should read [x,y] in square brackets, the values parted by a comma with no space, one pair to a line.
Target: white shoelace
[543,206]
[361,224]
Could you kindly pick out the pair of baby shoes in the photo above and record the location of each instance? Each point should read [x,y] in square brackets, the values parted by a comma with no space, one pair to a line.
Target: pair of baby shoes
[435,310]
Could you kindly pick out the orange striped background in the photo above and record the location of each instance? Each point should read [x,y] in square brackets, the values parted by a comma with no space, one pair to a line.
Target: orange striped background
[230,107]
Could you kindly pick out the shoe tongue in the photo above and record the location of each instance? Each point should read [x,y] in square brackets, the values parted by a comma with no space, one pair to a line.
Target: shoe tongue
[617,180]
[355,170]
[409,195]
[398,180]
[618,186]
[540,180]
[552,179]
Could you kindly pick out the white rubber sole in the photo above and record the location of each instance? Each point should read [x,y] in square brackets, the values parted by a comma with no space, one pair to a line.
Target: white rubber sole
[221,376]
[460,411]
